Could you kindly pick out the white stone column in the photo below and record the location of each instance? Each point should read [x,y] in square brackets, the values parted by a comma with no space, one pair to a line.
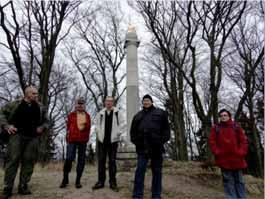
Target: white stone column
[132,90]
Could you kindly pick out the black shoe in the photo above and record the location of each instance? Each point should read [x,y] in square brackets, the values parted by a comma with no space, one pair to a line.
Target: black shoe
[98,185]
[24,190]
[77,182]
[7,193]
[114,187]
[64,183]
[78,185]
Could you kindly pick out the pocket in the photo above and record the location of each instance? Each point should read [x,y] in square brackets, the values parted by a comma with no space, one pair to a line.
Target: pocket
[32,150]
[239,153]
[239,176]
[13,147]
[227,176]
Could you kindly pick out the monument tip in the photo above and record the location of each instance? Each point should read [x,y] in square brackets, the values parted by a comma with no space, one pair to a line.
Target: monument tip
[131,28]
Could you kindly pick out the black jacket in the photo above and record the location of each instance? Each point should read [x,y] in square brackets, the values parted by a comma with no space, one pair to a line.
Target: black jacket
[150,130]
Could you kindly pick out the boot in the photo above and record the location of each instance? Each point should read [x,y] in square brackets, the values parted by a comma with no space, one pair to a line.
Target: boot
[114,187]
[98,185]
[66,171]
[65,181]
[78,185]
[77,182]
[24,190]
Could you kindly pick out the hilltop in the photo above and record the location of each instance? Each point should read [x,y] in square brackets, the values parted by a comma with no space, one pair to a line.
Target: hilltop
[181,180]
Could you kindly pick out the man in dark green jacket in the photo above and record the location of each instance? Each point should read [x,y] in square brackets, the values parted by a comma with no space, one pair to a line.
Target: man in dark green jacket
[24,121]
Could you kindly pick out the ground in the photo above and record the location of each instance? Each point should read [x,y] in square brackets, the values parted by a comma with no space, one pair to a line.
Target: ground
[180,180]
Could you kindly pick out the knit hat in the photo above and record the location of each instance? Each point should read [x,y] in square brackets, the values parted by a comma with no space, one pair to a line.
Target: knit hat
[148,97]
[81,100]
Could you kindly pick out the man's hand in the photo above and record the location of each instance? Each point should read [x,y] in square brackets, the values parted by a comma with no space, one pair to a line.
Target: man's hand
[40,130]
[10,129]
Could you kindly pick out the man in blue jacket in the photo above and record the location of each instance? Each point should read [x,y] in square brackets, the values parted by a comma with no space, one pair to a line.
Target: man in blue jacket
[149,132]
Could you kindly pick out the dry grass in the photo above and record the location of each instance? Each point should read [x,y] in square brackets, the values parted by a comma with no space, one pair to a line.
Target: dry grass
[53,166]
[180,180]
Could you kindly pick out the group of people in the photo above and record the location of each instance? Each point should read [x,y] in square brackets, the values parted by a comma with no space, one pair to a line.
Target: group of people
[25,120]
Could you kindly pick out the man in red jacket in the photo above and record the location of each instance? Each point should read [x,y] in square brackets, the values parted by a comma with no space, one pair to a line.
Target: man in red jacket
[229,146]
[78,130]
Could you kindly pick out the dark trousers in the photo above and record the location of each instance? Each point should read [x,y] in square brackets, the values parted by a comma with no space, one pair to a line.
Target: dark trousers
[22,150]
[104,150]
[70,157]
[156,166]
[234,184]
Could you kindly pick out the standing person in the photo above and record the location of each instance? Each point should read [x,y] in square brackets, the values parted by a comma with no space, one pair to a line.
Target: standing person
[78,131]
[108,129]
[149,132]
[229,145]
[24,120]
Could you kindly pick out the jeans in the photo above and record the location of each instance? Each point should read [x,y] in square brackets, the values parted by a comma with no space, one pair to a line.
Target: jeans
[234,186]
[105,149]
[156,166]
[70,157]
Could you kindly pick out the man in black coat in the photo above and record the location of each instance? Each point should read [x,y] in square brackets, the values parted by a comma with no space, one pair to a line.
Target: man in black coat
[149,132]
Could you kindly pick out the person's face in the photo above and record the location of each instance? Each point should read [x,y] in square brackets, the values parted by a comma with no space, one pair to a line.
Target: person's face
[32,95]
[147,103]
[80,107]
[109,103]
[224,117]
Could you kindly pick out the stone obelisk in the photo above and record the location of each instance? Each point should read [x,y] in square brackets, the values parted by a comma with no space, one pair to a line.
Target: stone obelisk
[132,89]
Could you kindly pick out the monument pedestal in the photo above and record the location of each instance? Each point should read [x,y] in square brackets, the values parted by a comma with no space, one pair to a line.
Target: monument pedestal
[126,152]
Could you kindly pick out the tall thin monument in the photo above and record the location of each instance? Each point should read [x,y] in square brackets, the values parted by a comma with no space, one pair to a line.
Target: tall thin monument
[132,90]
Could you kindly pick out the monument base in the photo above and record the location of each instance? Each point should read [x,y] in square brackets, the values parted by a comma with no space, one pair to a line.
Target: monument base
[126,157]
[126,151]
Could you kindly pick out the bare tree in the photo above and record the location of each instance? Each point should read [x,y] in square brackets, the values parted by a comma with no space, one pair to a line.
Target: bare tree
[164,20]
[100,58]
[216,20]
[245,67]
[40,24]
[33,31]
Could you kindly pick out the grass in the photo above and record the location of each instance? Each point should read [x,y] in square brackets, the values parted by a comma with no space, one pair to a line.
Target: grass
[180,180]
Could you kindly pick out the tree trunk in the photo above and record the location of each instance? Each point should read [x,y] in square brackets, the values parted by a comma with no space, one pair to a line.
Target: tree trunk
[257,142]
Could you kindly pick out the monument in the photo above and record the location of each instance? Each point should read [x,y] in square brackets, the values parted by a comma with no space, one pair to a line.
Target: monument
[132,90]
[132,86]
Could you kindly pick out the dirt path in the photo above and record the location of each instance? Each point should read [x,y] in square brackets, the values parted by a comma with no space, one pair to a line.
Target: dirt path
[177,184]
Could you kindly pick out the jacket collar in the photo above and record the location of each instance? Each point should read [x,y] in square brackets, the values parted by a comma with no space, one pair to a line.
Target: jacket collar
[148,109]
[104,109]
[228,123]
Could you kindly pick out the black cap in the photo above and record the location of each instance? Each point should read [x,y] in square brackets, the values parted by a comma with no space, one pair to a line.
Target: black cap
[81,100]
[148,97]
